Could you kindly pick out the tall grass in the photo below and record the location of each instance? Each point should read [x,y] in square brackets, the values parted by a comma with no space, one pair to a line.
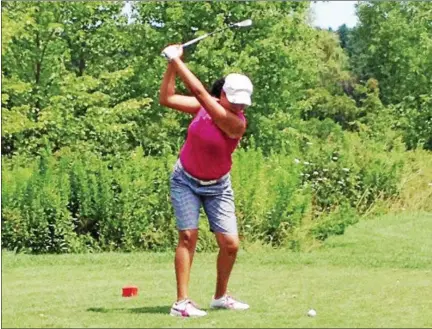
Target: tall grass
[78,203]
[415,185]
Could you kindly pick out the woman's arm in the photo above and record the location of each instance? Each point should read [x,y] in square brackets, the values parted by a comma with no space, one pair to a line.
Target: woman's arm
[230,123]
[169,98]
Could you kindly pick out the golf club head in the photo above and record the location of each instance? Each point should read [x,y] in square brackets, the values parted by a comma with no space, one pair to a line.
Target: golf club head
[247,22]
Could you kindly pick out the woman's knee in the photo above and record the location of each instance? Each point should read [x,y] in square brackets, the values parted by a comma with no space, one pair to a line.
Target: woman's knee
[229,244]
[188,239]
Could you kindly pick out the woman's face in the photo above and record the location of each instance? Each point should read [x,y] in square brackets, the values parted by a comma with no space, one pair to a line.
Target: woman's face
[235,108]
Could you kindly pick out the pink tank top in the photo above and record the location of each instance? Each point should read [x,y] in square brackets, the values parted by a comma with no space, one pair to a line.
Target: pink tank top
[206,154]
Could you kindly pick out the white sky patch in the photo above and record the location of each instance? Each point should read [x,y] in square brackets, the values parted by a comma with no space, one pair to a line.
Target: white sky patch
[333,14]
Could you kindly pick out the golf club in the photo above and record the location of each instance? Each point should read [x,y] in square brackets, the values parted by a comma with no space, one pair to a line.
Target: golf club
[244,23]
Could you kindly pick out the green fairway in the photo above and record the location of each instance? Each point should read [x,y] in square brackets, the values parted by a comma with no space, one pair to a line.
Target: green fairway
[379,274]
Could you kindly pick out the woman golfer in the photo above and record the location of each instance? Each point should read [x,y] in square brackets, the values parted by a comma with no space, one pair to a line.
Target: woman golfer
[202,174]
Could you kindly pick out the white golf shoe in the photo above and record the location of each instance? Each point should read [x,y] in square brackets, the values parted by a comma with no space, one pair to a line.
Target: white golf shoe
[228,302]
[186,308]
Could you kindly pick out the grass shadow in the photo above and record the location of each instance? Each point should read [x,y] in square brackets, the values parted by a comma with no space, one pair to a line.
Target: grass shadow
[146,309]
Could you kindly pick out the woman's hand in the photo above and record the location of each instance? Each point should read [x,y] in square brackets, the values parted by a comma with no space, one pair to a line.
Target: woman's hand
[173,51]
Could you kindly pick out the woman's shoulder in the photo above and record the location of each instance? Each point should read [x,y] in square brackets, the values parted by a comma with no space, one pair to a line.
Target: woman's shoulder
[242,116]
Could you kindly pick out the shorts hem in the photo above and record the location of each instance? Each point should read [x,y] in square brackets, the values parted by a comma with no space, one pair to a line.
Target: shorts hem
[187,228]
[223,232]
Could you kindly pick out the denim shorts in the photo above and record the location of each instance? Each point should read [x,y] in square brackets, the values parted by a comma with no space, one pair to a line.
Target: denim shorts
[216,197]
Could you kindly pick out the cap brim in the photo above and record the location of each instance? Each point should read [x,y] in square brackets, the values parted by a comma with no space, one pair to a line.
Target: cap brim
[239,98]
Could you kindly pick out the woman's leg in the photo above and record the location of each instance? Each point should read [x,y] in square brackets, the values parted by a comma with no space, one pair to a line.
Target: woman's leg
[184,306]
[219,206]
[183,261]
[228,247]
[186,206]
[220,209]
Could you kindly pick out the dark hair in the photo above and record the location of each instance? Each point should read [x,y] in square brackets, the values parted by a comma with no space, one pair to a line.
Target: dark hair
[216,88]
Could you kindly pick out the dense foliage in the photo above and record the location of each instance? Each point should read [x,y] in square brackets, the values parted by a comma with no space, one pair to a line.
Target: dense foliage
[87,149]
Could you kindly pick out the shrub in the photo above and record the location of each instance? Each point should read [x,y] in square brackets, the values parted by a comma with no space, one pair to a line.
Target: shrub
[71,202]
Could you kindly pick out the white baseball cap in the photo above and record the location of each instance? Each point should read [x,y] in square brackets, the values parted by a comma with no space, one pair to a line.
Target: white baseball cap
[238,88]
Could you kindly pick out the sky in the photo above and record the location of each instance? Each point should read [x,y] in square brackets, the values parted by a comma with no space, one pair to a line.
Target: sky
[334,14]
[326,13]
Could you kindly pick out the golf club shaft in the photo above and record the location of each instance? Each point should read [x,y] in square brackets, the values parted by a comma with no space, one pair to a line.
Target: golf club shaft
[191,42]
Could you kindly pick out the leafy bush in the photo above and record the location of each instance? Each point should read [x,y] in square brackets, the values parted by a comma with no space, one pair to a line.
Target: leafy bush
[415,118]
[334,223]
[73,202]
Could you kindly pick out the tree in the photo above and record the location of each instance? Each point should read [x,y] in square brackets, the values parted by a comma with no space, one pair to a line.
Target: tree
[344,31]
[43,101]
[393,44]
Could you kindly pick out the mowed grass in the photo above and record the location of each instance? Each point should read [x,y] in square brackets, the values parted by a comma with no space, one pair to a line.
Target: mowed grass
[379,274]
